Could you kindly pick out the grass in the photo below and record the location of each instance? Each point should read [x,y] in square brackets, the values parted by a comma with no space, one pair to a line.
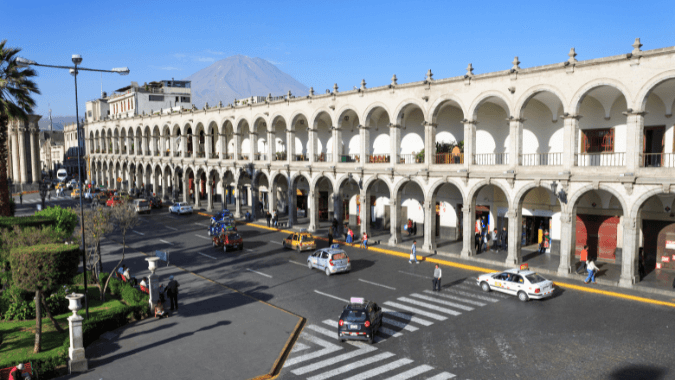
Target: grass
[17,338]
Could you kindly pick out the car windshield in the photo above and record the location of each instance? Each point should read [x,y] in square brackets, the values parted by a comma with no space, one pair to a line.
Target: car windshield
[339,256]
[355,316]
[233,236]
[535,278]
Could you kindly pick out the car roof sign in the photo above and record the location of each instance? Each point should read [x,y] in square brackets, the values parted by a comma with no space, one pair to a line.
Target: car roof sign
[303,230]
[335,246]
[357,300]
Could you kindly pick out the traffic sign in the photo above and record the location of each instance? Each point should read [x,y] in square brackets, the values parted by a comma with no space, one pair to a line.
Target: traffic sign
[119,179]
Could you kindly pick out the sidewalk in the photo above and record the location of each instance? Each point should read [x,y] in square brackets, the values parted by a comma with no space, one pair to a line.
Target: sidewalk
[216,333]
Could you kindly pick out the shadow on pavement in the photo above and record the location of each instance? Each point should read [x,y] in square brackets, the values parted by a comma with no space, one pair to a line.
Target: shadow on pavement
[636,371]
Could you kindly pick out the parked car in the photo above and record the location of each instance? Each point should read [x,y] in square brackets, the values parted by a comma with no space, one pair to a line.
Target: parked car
[155,202]
[228,239]
[180,208]
[141,206]
[114,201]
[359,320]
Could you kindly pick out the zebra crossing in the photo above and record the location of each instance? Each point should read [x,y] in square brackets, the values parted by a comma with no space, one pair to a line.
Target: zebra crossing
[405,314]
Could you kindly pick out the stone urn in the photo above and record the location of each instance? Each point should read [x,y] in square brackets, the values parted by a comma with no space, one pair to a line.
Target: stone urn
[74,302]
[152,263]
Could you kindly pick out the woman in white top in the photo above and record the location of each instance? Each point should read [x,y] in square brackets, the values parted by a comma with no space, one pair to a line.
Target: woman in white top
[592,270]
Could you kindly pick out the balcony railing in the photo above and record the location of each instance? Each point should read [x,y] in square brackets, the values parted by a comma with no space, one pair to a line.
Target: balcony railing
[349,158]
[176,154]
[201,154]
[243,157]
[280,156]
[188,154]
[541,159]
[300,157]
[323,157]
[449,158]
[378,158]
[491,159]
[601,159]
[167,153]
[228,156]
[658,160]
[131,151]
[158,153]
[260,157]
[410,159]
[214,155]
[124,150]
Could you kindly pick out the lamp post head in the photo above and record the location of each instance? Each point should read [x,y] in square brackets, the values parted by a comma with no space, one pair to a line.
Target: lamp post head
[73,72]
[121,70]
[77,59]
[23,62]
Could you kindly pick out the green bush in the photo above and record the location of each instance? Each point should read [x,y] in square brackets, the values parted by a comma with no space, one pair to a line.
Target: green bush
[20,310]
[12,206]
[25,308]
[9,222]
[66,219]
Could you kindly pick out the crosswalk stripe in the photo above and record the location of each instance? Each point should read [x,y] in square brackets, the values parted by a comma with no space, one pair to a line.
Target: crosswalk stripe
[467,294]
[429,306]
[407,317]
[392,322]
[331,296]
[442,302]
[334,360]
[331,323]
[477,289]
[442,376]
[380,370]
[412,372]
[415,310]
[328,348]
[351,366]
[448,296]
[299,347]
[321,330]
[387,331]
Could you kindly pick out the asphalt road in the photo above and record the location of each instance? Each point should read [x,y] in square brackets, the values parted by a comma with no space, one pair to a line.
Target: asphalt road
[460,333]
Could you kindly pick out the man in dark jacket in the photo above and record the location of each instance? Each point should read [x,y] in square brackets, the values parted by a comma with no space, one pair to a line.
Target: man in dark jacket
[172,292]
[268,216]
[504,239]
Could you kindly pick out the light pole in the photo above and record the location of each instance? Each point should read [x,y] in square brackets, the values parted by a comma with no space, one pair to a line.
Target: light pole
[74,70]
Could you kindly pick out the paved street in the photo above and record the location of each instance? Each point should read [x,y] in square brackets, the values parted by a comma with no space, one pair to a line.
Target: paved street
[460,333]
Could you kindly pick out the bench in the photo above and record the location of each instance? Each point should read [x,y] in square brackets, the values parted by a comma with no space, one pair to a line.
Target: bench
[27,368]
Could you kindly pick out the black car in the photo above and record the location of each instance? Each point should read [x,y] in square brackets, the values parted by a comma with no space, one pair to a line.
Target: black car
[155,202]
[359,320]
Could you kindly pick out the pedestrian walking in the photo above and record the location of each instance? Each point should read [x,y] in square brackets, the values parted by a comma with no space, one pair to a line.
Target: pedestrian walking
[350,235]
[275,218]
[582,258]
[365,240]
[21,198]
[172,292]
[641,265]
[495,240]
[410,226]
[477,232]
[540,237]
[505,239]
[413,253]
[268,216]
[437,278]
[330,236]
[592,270]
[414,228]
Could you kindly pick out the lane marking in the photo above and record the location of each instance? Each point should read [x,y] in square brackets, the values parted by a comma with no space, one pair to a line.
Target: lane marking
[380,370]
[136,232]
[407,317]
[204,254]
[171,228]
[328,362]
[352,366]
[395,323]
[262,274]
[442,302]
[331,296]
[415,274]
[467,294]
[442,376]
[297,263]
[328,348]
[470,302]
[376,284]
[202,224]
[388,331]
[276,242]
[429,306]
[412,372]
[299,347]
[203,237]
[164,241]
[415,310]
[248,250]
[329,333]
[505,349]
[476,288]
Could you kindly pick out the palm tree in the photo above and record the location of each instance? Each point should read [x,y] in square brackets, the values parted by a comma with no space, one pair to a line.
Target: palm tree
[16,103]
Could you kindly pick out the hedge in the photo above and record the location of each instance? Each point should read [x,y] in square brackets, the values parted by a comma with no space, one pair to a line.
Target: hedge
[26,221]
[68,258]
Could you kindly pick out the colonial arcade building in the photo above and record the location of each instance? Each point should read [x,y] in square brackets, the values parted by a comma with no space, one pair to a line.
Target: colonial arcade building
[583,149]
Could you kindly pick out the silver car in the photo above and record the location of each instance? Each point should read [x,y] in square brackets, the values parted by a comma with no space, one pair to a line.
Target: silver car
[331,260]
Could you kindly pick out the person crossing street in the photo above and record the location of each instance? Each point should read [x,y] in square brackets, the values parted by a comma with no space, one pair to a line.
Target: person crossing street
[437,278]
[413,253]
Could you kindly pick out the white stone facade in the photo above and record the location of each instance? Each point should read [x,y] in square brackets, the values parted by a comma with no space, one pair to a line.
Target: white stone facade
[580,137]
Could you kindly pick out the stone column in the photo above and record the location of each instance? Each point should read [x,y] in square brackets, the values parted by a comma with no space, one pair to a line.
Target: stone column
[290,146]
[311,152]
[468,230]
[469,144]
[567,244]
[253,143]
[395,216]
[78,361]
[570,139]
[271,146]
[237,202]
[186,184]
[209,195]
[237,146]
[35,155]
[429,221]
[223,197]
[337,212]
[15,155]
[337,144]
[198,187]
[292,212]
[629,254]
[635,122]
[272,198]
[313,205]
[22,155]
[429,144]
[165,181]
[394,143]
[365,214]
[155,179]
[208,141]
[195,144]
[515,229]
[515,142]
[183,145]
[222,142]
[364,149]
[255,200]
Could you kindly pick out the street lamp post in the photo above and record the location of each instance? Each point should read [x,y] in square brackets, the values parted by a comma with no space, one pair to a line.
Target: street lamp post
[74,70]
[44,188]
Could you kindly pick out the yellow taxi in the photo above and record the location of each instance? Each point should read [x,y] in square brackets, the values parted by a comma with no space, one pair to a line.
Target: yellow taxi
[75,193]
[300,241]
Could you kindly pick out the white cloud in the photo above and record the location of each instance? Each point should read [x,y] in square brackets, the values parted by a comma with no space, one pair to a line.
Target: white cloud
[167,68]
[214,52]
[179,55]
[204,59]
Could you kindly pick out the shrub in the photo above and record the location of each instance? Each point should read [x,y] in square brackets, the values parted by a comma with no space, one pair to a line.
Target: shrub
[66,219]
[12,206]
[8,222]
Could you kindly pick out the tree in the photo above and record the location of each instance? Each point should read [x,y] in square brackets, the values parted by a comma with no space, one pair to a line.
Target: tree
[124,218]
[40,268]
[16,102]
[97,224]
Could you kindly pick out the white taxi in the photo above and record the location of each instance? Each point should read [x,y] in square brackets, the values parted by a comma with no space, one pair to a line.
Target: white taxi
[520,282]
[180,208]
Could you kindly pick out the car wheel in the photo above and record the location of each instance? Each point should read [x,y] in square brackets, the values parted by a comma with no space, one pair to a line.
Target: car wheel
[523,296]
[327,272]
[209,232]
[297,249]
[309,265]
[485,286]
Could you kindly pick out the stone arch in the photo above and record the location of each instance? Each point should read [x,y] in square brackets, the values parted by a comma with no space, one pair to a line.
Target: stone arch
[317,113]
[534,90]
[342,111]
[260,124]
[649,86]
[439,184]
[483,97]
[256,177]
[295,117]
[639,202]
[403,105]
[317,178]
[438,104]
[475,189]
[371,108]
[585,189]
[581,93]
[400,183]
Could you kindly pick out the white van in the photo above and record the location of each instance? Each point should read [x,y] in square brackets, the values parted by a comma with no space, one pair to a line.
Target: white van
[62,174]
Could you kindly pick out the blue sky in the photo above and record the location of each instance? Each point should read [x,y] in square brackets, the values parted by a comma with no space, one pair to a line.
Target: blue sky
[318,42]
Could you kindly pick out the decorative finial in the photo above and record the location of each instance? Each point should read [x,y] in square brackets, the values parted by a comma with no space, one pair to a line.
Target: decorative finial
[516,64]
[311,91]
[636,46]
[289,94]
[430,76]
[220,104]
[206,106]
[363,84]
[335,88]
[469,70]
[572,54]
[394,80]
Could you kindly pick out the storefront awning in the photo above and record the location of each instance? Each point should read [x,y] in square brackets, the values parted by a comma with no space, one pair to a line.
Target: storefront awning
[300,192]
[482,208]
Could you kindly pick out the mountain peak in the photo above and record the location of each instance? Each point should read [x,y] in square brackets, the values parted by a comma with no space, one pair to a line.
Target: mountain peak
[238,77]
